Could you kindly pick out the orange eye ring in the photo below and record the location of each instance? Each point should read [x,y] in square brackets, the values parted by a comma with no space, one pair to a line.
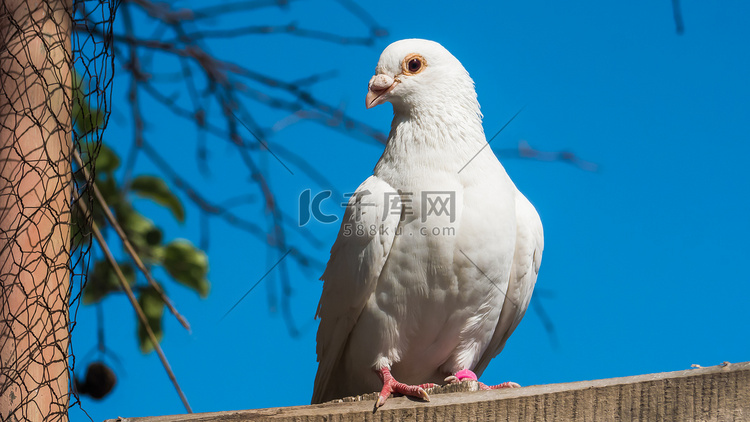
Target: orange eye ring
[413,64]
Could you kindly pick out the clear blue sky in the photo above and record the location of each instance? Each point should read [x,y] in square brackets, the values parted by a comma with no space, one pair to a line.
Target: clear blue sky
[645,263]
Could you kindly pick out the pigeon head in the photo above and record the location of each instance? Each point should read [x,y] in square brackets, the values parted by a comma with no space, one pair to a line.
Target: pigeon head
[421,75]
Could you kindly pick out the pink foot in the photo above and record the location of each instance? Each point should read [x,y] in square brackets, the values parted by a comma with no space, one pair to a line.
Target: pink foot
[468,374]
[390,385]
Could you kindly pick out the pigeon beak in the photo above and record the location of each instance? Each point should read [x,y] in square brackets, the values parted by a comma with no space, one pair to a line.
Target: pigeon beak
[379,87]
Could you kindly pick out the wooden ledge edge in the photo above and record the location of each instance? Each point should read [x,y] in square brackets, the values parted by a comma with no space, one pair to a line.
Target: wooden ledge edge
[438,399]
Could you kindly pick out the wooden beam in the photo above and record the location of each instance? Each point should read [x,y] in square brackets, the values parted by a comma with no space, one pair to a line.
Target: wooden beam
[717,393]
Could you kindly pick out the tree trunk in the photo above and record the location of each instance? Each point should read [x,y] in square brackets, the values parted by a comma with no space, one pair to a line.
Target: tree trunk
[35,148]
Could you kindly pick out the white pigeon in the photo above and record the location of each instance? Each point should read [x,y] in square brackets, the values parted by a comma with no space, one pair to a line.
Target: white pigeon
[438,251]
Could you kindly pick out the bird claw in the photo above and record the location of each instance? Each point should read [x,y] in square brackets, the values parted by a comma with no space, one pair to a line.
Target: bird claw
[390,385]
[419,392]
[468,374]
[508,384]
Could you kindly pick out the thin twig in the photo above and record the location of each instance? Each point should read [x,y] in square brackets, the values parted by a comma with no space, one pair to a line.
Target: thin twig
[677,13]
[526,151]
[139,312]
[547,323]
[197,198]
[289,29]
[364,17]
[231,8]
[138,124]
[128,246]
[131,297]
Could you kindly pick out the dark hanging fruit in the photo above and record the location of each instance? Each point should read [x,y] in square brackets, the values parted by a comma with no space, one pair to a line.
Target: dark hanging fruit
[99,381]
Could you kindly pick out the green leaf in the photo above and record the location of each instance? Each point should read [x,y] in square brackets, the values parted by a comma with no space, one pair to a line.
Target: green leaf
[110,192]
[141,231]
[107,161]
[153,308]
[156,189]
[103,280]
[188,265]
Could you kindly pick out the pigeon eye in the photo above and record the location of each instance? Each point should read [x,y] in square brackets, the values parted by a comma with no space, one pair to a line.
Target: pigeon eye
[413,64]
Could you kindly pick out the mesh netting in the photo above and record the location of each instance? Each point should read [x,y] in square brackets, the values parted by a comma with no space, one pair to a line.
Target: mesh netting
[54,102]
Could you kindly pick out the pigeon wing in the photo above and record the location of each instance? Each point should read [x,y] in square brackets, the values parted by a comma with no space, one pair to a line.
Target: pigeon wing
[357,258]
[526,261]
